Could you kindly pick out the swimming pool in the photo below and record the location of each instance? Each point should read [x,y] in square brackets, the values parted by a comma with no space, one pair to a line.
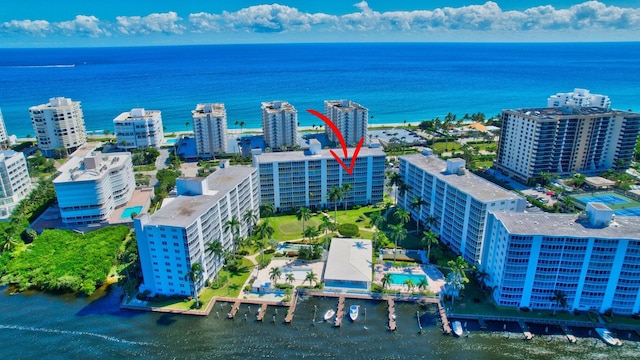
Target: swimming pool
[126,214]
[171,141]
[399,279]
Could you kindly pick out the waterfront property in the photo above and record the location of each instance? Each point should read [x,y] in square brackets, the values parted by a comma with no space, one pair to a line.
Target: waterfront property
[456,201]
[350,118]
[89,188]
[139,129]
[349,267]
[58,125]
[295,179]
[15,183]
[543,261]
[176,236]
[4,138]
[279,124]
[210,129]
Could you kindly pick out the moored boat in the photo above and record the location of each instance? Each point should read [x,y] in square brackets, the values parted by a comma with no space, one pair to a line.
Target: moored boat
[329,314]
[456,326]
[353,312]
[607,337]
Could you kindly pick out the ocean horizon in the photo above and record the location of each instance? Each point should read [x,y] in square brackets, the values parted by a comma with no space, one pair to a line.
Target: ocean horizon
[397,82]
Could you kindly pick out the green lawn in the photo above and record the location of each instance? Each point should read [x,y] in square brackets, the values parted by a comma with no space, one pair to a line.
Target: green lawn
[444,146]
[287,227]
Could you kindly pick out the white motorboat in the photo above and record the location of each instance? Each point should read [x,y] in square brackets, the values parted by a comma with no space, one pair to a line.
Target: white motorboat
[607,337]
[456,326]
[353,312]
[329,314]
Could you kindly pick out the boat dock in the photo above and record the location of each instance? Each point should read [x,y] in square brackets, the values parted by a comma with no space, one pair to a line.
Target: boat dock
[482,323]
[261,312]
[292,308]
[340,312]
[392,314]
[525,330]
[572,339]
[234,309]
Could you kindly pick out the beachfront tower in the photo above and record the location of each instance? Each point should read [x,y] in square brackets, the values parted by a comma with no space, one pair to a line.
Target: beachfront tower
[178,234]
[58,126]
[210,129]
[279,124]
[4,138]
[350,118]
[579,98]
[15,183]
[139,129]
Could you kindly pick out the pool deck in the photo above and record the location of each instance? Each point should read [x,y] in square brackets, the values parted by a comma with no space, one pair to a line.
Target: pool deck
[434,277]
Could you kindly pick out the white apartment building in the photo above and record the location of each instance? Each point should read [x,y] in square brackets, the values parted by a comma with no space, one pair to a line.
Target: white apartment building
[15,183]
[90,188]
[210,129]
[279,124]
[294,179]
[457,201]
[4,138]
[579,98]
[350,118]
[175,237]
[588,140]
[58,125]
[139,129]
[593,258]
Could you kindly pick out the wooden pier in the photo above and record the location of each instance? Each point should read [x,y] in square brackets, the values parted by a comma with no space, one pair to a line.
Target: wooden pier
[525,330]
[292,308]
[572,339]
[234,309]
[340,312]
[262,312]
[392,314]
[446,326]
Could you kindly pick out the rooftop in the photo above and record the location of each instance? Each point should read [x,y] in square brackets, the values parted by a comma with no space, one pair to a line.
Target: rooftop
[215,109]
[93,166]
[479,188]
[622,227]
[277,106]
[557,112]
[346,104]
[350,260]
[287,156]
[137,114]
[184,210]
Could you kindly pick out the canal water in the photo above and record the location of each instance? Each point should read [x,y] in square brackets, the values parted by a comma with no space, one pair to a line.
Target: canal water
[43,326]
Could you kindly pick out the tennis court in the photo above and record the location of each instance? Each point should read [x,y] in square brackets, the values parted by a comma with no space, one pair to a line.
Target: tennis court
[620,204]
[608,199]
[628,212]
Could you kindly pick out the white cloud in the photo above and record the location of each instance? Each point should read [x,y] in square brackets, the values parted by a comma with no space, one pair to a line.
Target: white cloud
[84,25]
[167,23]
[31,27]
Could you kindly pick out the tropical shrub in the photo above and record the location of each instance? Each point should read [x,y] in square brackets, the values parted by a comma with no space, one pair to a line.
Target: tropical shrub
[348,230]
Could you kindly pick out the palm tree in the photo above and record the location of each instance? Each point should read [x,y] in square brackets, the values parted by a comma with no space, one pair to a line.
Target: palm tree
[9,243]
[241,124]
[290,278]
[311,276]
[346,189]
[375,219]
[275,274]
[423,284]
[303,214]
[233,225]
[403,187]
[398,234]
[459,266]
[326,225]
[266,210]
[195,276]
[410,284]
[417,203]
[263,232]
[429,238]
[215,248]
[482,276]
[187,124]
[394,180]
[335,194]
[386,280]
[560,298]
[310,233]
[402,216]
[455,283]
[251,218]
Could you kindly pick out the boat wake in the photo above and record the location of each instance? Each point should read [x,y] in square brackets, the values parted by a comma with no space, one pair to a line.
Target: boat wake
[79,333]
[40,66]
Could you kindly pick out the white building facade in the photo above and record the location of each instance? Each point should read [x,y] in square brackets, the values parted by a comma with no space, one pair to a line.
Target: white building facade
[456,201]
[90,188]
[279,124]
[593,259]
[15,183]
[58,125]
[579,98]
[350,118]
[175,237]
[4,138]
[210,129]
[294,179]
[139,129]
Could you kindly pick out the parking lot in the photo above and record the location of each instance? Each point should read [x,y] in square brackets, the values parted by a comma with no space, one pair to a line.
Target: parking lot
[547,197]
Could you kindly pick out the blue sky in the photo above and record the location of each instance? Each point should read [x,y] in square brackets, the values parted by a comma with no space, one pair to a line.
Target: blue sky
[38,23]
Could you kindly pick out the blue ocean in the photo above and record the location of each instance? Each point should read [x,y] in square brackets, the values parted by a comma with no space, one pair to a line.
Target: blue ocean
[396,81]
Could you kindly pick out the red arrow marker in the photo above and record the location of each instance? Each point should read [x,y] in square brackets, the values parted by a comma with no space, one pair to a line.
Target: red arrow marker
[335,129]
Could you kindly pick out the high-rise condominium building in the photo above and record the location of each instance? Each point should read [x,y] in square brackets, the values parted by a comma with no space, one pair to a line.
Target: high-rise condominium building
[350,118]
[592,258]
[15,183]
[58,126]
[294,179]
[210,129]
[89,188]
[579,98]
[176,237]
[456,202]
[279,124]
[4,138]
[588,140]
[139,129]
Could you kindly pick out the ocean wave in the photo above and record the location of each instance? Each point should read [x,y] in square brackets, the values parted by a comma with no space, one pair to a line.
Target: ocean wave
[39,66]
[70,332]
